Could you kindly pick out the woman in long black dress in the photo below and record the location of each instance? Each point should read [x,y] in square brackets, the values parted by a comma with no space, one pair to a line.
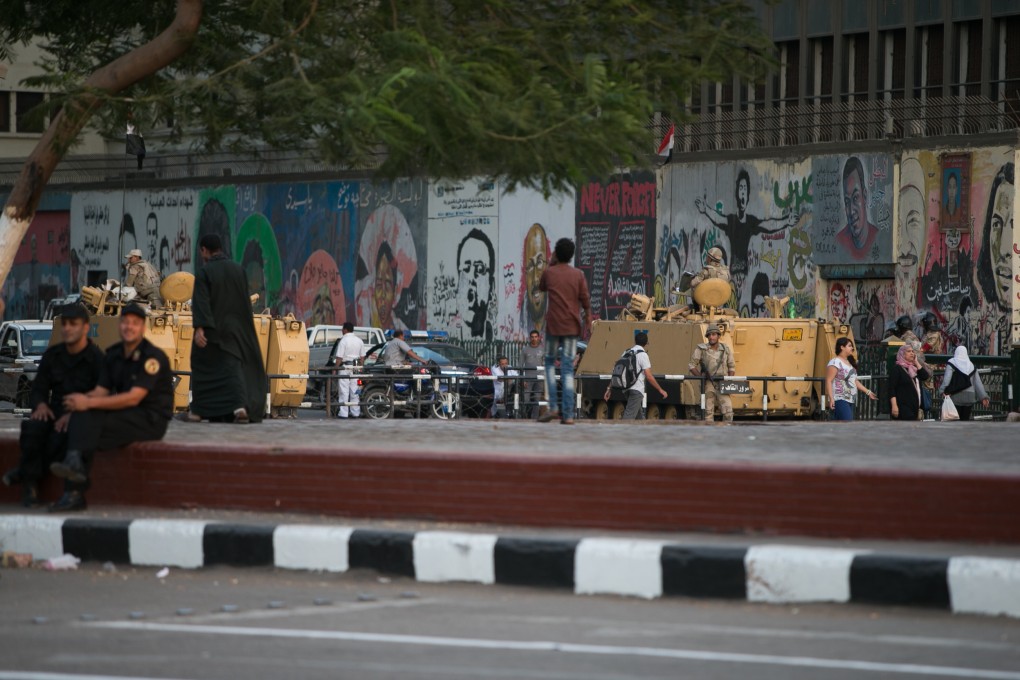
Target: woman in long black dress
[905,385]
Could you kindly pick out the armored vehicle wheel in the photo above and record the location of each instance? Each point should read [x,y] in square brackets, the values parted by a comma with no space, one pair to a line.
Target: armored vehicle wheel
[376,404]
[654,412]
[618,409]
[671,412]
[601,410]
[444,408]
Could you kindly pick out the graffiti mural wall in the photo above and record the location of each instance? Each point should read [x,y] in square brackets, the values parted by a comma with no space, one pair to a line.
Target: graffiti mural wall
[866,305]
[759,213]
[106,226]
[329,252]
[462,259]
[957,248]
[853,209]
[529,226]
[616,235]
[41,268]
[467,256]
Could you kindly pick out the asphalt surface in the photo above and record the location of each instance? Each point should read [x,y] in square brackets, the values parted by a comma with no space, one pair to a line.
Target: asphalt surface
[126,622]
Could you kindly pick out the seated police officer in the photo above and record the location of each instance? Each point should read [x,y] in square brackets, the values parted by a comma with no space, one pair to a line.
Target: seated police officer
[133,401]
[68,367]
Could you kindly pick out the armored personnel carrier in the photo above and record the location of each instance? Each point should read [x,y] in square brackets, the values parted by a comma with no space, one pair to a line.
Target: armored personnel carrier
[780,360]
[282,340]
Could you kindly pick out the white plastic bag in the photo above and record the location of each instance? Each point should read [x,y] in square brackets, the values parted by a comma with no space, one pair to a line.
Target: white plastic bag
[65,562]
[949,411]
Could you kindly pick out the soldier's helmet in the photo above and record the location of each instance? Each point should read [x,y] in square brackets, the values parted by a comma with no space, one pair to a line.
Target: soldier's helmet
[904,324]
[715,254]
[712,329]
[929,322]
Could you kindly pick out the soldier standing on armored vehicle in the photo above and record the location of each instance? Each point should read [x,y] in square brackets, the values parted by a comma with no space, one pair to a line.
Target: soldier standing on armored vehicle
[714,268]
[714,360]
[143,277]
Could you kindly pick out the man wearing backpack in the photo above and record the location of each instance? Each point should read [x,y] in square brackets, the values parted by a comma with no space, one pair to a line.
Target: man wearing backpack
[714,360]
[637,374]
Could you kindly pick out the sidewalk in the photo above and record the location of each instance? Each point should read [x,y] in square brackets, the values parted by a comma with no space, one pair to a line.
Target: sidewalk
[921,482]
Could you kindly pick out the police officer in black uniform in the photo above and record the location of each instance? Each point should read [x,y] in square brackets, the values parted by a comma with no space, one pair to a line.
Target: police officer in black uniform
[132,402]
[68,367]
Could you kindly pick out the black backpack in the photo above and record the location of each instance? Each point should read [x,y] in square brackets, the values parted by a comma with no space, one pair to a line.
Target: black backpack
[625,370]
[958,383]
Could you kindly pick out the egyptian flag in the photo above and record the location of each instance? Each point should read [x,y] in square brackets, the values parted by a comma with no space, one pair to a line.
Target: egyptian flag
[666,148]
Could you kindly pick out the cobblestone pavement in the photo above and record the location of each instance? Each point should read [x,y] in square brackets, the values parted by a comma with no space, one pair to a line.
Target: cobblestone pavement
[976,447]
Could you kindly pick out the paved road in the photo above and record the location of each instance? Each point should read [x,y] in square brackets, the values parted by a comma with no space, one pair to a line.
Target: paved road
[300,625]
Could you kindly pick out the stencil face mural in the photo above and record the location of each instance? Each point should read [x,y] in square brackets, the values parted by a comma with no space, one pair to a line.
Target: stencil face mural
[463,231]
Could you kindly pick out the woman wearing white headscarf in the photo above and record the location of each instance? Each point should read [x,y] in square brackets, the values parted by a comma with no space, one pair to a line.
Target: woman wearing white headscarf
[963,397]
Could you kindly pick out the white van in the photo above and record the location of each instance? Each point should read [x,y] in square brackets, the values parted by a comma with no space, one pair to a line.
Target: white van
[322,338]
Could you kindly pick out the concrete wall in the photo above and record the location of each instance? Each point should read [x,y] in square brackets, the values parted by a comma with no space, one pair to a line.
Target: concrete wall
[466,256]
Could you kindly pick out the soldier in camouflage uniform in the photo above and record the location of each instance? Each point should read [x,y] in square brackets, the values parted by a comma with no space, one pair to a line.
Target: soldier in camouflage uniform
[143,277]
[713,269]
[933,341]
[714,360]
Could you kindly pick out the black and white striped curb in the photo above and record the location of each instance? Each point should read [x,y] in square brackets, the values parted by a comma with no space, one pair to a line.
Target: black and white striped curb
[620,566]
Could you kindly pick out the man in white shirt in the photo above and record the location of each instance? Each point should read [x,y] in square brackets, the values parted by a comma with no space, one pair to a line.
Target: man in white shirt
[636,393]
[500,370]
[348,357]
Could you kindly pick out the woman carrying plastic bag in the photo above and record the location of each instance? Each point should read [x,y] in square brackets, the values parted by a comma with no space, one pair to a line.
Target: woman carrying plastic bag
[963,391]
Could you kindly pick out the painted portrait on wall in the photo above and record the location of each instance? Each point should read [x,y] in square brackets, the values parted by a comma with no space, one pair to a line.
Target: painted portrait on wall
[853,210]
[954,210]
[387,268]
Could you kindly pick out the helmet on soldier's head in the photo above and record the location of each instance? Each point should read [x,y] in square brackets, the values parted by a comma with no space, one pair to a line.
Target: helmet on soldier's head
[903,324]
[711,330]
[715,254]
[929,322]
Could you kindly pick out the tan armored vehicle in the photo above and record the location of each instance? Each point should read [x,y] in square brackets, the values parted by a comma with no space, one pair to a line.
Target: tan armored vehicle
[778,348]
[282,340]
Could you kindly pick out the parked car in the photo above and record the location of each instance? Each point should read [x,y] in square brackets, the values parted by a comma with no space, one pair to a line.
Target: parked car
[22,344]
[322,341]
[473,396]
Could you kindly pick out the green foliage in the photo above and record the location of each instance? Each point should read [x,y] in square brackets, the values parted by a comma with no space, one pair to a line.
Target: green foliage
[541,92]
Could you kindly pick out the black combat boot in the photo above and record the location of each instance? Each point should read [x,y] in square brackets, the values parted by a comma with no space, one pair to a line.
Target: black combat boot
[72,468]
[29,494]
[69,502]
[12,477]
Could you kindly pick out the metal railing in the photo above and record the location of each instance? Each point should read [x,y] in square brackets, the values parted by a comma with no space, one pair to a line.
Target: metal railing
[821,120]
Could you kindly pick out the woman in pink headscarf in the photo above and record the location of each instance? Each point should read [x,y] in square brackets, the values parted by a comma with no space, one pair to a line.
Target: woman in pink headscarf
[905,385]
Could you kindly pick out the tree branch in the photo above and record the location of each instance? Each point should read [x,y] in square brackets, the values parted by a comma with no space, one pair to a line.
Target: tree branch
[121,73]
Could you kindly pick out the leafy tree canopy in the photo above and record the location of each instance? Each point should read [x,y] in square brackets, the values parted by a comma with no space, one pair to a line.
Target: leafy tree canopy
[541,92]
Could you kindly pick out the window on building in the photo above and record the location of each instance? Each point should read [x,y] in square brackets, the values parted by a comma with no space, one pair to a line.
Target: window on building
[25,119]
[928,62]
[5,111]
[1007,66]
[819,69]
[892,62]
[855,67]
[966,71]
